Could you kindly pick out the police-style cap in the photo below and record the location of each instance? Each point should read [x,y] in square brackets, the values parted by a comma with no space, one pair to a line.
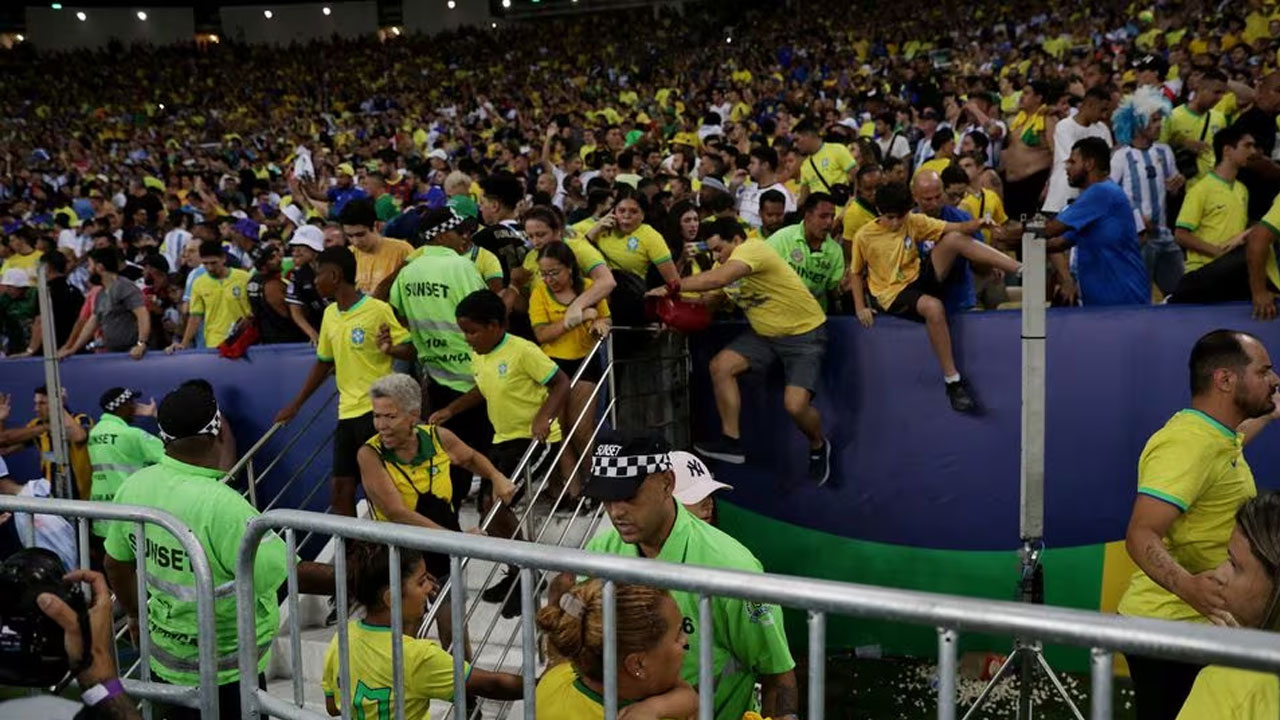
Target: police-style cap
[116,398]
[440,221]
[619,465]
[188,411]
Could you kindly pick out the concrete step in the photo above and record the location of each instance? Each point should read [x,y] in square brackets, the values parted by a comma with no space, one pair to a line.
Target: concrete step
[315,636]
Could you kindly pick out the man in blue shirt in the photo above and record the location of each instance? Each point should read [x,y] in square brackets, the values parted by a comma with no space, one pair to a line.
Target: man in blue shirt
[344,192]
[1099,224]
[926,188]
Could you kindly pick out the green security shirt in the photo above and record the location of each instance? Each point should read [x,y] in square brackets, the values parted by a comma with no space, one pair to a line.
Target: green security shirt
[749,639]
[426,293]
[116,451]
[217,516]
[821,270]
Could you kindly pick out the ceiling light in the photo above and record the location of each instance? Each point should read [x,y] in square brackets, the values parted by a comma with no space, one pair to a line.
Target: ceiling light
[268,14]
[142,15]
[326,10]
[81,16]
[451,4]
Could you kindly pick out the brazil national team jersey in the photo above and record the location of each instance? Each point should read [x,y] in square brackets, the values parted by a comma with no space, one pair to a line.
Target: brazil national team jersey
[428,673]
[773,297]
[1223,693]
[563,695]
[749,639]
[1215,211]
[1196,464]
[221,302]
[217,515]
[349,340]
[635,251]
[513,379]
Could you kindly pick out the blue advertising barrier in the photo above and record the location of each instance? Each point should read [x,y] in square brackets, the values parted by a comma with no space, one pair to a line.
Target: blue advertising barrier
[250,392]
[908,470]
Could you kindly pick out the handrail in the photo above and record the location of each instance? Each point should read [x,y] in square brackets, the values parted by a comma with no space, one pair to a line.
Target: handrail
[1191,642]
[493,621]
[519,471]
[551,468]
[251,452]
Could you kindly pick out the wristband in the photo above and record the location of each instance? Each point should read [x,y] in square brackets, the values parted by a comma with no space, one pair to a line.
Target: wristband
[102,692]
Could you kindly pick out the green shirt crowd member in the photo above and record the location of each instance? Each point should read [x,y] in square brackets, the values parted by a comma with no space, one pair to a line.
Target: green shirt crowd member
[809,249]
[187,483]
[634,480]
[118,449]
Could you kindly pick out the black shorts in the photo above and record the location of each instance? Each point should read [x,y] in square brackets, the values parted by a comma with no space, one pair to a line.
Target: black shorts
[505,456]
[1022,197]
[472,427]
[351,434]
[592,374]
[904,306]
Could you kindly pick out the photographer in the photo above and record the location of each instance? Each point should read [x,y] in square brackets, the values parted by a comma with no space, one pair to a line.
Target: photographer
[104,696]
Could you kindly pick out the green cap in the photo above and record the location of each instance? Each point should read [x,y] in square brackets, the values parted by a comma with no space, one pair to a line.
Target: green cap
[465,206]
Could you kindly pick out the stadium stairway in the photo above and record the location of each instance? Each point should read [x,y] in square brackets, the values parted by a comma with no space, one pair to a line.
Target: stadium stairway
[316,635]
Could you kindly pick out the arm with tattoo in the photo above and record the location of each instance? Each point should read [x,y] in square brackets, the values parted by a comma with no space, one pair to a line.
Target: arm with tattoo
[780,696]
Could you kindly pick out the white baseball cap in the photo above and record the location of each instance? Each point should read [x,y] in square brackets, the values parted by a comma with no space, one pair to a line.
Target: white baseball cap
[16,277]
[308,236]
[694,481]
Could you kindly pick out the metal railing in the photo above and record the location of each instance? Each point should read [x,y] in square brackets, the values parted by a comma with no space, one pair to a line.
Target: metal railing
[523,477]
[1104,634]
[246,463]
[205,696]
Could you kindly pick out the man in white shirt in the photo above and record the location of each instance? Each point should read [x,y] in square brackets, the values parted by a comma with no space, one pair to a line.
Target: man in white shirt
[763,169]
[1087,122]
[892,144]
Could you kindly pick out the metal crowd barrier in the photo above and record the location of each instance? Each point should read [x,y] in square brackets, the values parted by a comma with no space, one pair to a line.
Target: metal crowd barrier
[203,698]
[1104,634]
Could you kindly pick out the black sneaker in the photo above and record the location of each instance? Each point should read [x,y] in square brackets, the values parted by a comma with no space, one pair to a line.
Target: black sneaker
[513,606]
[724,449]
[961,397]
[496,592]
[820,463]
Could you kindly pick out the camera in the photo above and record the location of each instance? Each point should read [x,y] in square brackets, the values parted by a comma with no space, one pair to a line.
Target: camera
[32,647]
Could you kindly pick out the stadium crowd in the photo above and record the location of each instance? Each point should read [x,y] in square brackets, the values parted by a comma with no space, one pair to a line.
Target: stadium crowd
[416,205]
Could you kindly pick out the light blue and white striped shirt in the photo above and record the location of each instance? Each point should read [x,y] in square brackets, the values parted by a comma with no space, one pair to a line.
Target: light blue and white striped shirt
[1143,174]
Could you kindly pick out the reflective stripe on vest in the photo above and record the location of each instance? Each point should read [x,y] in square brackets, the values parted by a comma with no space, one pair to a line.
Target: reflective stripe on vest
[222,663]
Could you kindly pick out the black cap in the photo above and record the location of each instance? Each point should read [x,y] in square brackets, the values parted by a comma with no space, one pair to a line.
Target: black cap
[188,411]
[619,465]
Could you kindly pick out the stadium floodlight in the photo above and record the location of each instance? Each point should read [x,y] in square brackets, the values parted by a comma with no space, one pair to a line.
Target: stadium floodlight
[326,10]
[81,16]
[268,14]
[506,3]
[142,15]
[451,4]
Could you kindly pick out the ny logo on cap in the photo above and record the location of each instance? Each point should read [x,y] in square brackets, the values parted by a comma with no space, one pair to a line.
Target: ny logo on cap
[696,468]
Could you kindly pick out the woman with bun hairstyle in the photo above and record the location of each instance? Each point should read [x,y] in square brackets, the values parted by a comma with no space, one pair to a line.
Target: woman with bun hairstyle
[651,646]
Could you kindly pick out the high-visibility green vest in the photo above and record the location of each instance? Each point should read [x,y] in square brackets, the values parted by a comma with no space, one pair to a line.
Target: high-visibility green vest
[116,451]
[217,515]
[427,292]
